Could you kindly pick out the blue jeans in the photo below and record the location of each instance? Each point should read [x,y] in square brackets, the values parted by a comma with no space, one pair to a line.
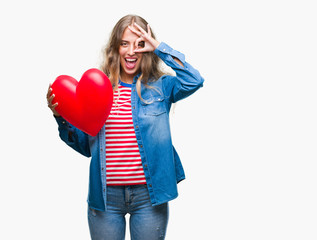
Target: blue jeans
[146,222]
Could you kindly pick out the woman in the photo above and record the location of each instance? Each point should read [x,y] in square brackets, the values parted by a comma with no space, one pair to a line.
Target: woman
[134,167]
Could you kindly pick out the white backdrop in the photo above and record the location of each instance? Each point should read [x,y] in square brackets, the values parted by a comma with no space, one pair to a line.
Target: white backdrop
[247,139]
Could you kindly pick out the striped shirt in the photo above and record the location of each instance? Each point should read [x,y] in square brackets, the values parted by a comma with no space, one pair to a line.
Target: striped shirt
[123,160]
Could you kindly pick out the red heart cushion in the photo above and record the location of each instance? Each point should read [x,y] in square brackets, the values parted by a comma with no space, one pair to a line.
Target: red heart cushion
[85,104]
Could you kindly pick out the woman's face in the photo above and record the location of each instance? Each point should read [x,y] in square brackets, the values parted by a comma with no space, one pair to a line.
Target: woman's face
[129,60]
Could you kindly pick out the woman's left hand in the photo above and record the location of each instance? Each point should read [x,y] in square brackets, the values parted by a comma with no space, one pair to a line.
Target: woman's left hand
[150,44]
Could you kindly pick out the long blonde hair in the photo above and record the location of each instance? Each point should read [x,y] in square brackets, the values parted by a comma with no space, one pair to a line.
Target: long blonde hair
[150,62]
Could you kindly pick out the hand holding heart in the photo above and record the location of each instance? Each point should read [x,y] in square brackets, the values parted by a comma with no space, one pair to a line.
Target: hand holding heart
[50,98]
[85,104]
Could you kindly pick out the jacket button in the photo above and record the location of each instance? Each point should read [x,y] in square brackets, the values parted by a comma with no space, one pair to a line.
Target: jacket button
[150,185]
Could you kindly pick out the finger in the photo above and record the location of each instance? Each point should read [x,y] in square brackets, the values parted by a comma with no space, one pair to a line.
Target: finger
[140,28]
[49,92]
[54,106]
[138,42]
[139,50]
[50,99]
[132,29]
[149,30]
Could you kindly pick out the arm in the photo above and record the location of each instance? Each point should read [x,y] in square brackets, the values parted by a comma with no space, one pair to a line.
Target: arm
[72,136]
[179,62]
[187,79]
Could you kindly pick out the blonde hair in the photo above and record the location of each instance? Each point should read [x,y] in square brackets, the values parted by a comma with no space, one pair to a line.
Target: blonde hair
[150,62]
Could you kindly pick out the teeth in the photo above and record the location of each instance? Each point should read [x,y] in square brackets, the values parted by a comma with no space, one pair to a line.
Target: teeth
[131,60]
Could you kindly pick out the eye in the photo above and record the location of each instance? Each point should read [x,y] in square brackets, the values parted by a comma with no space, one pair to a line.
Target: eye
[141,44]
[124,44]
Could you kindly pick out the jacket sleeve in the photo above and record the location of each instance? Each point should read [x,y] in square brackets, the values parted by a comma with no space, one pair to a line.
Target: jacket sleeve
[187,79]
[73,137]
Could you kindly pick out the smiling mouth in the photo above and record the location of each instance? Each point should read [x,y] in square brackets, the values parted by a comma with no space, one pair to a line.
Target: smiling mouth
[130,62]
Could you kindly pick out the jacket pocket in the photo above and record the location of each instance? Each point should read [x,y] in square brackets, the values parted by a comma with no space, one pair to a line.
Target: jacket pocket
[153,106]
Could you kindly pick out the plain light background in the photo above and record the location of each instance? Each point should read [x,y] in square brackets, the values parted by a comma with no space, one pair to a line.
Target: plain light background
[247,139]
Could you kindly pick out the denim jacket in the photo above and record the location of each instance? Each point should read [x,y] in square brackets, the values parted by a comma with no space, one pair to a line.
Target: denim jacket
[161,163]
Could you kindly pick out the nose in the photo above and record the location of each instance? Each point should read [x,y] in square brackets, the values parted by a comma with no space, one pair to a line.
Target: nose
[131,50]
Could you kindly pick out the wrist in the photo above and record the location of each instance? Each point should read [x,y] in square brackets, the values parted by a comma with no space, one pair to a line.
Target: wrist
[156,44]
[56,115]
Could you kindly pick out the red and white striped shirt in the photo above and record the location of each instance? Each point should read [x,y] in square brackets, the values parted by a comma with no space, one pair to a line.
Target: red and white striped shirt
[123,160]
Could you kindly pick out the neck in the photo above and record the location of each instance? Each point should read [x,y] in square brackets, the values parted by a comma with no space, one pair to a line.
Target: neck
[126,78]
[129,81]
